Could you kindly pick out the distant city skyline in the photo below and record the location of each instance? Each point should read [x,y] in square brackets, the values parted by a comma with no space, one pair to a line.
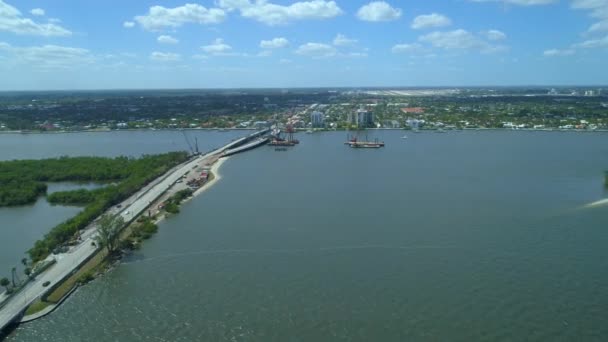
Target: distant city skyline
[77,45]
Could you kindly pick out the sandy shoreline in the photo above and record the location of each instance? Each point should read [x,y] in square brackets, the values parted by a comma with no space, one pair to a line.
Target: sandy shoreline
[215,170]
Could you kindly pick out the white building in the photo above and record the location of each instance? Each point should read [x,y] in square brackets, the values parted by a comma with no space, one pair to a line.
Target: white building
[317,119]
[365,118]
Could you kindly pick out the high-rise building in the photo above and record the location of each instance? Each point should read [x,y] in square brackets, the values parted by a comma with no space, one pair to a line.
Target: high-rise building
[317,119]
[365,118]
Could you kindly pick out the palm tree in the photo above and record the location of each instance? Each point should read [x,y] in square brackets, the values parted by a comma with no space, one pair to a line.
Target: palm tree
[13,274]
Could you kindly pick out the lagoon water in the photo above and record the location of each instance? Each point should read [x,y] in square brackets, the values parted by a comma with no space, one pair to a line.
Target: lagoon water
[461,236]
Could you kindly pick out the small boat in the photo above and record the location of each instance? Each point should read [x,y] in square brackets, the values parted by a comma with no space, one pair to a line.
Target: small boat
[404,137]
[310,131]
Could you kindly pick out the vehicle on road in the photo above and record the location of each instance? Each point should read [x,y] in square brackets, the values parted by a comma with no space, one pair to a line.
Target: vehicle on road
[46,283]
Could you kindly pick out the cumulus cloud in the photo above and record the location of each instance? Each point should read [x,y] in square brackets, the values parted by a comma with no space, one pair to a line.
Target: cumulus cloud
[165,56]
[414,48]
[598,9]
[11,20]
[594,43]
[39,12]
[217,48]
[316,50]
[557,52]
[159,18]
[166,39]
[430,20]
[459,40]
[521,2]
[274,14]
[495,35]
[376,11]
[342,40]
[128,24]
[274,43]
[47,56]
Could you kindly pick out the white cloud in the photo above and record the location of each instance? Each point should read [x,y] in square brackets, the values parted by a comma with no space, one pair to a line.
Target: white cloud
[430,20]
[48,56]
[598,10]
[459,40]
[166,39]
[594,43]
[316,50]
[378,11]
[165,56]
[264,53]
[128,24]
[217,48]
[274,43]
[159,17]
[342,40]
[495,35]
[11,20]
[414,48]
[556,52]
[521,2]
[600,26]
[275,14]
[284,61]
[37,12]
[355,54]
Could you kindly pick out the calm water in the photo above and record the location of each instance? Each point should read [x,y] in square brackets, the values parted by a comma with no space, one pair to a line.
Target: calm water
[460,236]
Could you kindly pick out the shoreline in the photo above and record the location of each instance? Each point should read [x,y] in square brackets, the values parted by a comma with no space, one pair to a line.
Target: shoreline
[224,130]
[214,170]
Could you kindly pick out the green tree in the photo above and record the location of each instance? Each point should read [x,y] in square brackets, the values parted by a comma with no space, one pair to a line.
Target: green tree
[108,232]
[5,283]
[27,271]
[24,261]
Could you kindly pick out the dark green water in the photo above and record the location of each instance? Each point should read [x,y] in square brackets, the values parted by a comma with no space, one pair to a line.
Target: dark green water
[441,237]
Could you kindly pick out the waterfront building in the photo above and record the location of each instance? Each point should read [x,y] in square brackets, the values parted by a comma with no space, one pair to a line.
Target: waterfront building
[317,119]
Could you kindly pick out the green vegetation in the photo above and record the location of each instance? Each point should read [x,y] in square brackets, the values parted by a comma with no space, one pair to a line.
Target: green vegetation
[109,232]
[129,174]
[85,277]
[15,192]
[181,195]
[172,208]
[36,307]
[4,282]
[172,204]
[75,197]
[143,230]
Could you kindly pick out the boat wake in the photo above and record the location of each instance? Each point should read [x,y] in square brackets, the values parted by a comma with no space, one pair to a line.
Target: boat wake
[599,203]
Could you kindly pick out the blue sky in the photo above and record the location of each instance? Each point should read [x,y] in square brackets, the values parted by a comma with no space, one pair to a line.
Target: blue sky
[287,43]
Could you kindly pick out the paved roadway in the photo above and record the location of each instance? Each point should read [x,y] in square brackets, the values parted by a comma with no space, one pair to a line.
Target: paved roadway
[69,261]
